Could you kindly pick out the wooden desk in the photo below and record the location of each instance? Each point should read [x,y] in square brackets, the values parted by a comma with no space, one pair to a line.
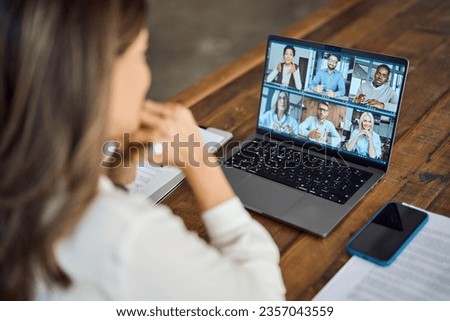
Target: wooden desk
[420,167]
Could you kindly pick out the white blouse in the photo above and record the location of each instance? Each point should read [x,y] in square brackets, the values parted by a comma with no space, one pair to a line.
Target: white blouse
[126,249]
[286,78]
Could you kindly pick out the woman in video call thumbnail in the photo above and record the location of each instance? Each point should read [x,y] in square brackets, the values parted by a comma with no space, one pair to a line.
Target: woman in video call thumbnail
[364,140]
[287,73]
[279,118]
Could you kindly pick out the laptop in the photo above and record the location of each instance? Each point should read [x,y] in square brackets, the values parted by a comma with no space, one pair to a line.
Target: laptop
[324,132]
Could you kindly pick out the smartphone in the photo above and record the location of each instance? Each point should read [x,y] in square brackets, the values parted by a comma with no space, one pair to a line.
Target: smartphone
[387,233]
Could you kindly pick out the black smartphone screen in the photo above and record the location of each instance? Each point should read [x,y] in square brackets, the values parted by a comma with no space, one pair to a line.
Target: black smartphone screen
[387,233]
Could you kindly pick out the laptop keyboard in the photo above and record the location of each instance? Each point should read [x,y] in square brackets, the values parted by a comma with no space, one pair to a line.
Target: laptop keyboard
[311,174]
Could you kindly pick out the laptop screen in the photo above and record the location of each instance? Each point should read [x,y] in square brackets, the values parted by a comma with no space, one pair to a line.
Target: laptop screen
[340,100]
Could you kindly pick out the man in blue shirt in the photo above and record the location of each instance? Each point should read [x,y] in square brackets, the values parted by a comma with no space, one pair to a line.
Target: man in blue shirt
[329,81]
[318,128]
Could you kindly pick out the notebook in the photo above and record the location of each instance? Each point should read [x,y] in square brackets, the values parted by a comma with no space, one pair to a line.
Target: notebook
[324,132]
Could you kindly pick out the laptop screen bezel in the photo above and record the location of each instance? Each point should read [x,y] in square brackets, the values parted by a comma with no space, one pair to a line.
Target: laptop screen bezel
[324,148]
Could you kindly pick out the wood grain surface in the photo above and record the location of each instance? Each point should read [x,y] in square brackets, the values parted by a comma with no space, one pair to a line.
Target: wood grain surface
[420,165]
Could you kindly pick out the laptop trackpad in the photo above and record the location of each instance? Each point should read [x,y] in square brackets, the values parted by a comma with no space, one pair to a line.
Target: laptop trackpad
[266,196]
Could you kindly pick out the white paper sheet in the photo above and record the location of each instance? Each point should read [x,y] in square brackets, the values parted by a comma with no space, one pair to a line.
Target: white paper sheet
[421,272]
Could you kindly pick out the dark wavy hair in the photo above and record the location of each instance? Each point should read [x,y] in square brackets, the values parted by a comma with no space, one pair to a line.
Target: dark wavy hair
[55,75]
[289,47]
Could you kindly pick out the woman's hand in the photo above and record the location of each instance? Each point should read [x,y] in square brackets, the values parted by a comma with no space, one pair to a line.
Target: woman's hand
[279,69]
[292,69]
[172,129]
[175,128]
[287,129]
[366,133]
[168,135]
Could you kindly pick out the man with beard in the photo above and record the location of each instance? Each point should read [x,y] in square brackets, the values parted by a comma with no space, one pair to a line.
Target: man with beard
[318,128]
[329,81]
[378,93]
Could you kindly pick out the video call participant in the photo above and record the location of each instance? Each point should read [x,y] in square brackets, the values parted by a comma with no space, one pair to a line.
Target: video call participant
[279,118]
[329,81]
[318,128]
[378,93]
[287,73]
[364,140]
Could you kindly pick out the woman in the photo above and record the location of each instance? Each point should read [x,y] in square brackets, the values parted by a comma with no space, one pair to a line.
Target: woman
[364,140]
[287,72]
[279,118]
[73,75]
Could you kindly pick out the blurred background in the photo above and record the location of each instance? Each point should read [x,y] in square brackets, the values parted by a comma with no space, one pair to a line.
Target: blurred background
[190,39]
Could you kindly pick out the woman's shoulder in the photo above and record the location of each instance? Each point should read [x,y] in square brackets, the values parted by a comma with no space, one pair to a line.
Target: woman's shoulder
[268,114]
[96,251]
[114,205]
[113,216]
[354,132]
